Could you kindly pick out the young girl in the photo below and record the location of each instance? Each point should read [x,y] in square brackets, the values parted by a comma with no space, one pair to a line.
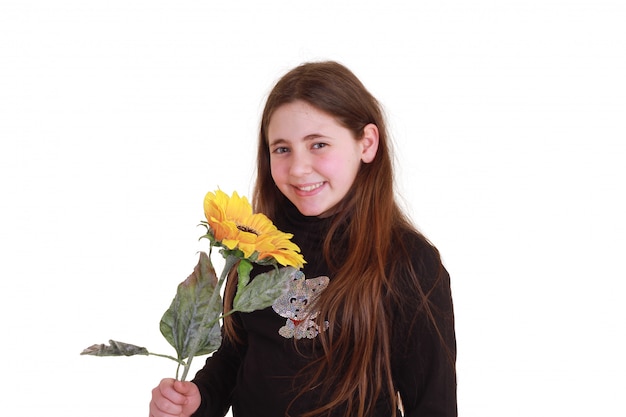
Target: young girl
[368,329]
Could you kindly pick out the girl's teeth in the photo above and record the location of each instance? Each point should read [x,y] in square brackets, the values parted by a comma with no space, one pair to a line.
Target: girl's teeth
[310,187]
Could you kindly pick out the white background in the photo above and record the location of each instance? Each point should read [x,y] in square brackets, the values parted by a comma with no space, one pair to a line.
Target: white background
[116,117]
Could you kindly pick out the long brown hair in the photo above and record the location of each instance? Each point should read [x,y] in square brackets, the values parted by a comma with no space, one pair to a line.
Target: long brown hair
[356,366]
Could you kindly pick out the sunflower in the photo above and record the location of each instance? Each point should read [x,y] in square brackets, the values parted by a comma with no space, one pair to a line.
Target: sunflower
[234,226]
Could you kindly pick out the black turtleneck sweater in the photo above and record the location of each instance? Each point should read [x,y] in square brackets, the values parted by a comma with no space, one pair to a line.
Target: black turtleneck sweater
[259,377]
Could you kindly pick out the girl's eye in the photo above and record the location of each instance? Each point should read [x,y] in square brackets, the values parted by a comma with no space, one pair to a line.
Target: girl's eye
[319,145]
[280,149]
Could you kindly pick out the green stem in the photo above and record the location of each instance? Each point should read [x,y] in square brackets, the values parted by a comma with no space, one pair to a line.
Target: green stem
[186,368]
[168,357]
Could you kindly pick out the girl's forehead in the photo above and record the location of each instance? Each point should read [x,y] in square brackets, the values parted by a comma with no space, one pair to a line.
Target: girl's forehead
[302,107]
[299,120]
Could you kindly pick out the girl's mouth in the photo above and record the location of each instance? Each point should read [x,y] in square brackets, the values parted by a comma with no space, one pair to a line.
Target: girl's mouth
[309,187]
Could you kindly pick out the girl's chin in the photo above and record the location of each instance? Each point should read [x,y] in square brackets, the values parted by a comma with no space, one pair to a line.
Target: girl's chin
[315,211]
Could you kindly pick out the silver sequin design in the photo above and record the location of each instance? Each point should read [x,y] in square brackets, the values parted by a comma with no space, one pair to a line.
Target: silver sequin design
[294,303]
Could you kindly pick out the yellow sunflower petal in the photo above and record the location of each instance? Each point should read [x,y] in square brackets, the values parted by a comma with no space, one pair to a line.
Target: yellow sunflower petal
[214,207]
[238,208]
[224,229]
[289,259]
[260,223]
[230,243]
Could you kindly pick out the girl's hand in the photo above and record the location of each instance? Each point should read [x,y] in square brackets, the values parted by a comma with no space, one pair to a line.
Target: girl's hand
[174,399]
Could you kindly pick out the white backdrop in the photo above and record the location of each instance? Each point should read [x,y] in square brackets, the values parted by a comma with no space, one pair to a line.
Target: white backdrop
[509,120]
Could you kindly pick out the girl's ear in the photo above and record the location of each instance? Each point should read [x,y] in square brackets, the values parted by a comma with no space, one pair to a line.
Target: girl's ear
[369,143]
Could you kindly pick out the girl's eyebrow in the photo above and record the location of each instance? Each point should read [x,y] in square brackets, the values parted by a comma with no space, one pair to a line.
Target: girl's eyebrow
[277,142]
[307,138]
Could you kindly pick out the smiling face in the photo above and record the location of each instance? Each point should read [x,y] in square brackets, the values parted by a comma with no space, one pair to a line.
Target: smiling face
[314,159]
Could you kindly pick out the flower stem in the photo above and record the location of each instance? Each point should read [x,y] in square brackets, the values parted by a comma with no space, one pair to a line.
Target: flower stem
[168,357]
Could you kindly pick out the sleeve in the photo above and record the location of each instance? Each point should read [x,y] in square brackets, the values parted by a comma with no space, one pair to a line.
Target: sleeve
[424,348]
[218,378]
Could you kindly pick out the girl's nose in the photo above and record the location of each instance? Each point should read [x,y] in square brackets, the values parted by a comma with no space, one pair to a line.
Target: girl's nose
[300,165]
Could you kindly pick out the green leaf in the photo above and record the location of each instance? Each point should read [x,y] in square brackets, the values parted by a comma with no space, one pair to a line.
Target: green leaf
[263,290]
[243,277]
[191,321]
[115,349]
[243,272]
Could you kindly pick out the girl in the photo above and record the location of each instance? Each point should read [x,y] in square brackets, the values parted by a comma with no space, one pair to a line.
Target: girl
[368,330]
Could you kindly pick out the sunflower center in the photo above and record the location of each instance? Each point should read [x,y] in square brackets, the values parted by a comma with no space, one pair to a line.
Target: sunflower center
[248,229]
